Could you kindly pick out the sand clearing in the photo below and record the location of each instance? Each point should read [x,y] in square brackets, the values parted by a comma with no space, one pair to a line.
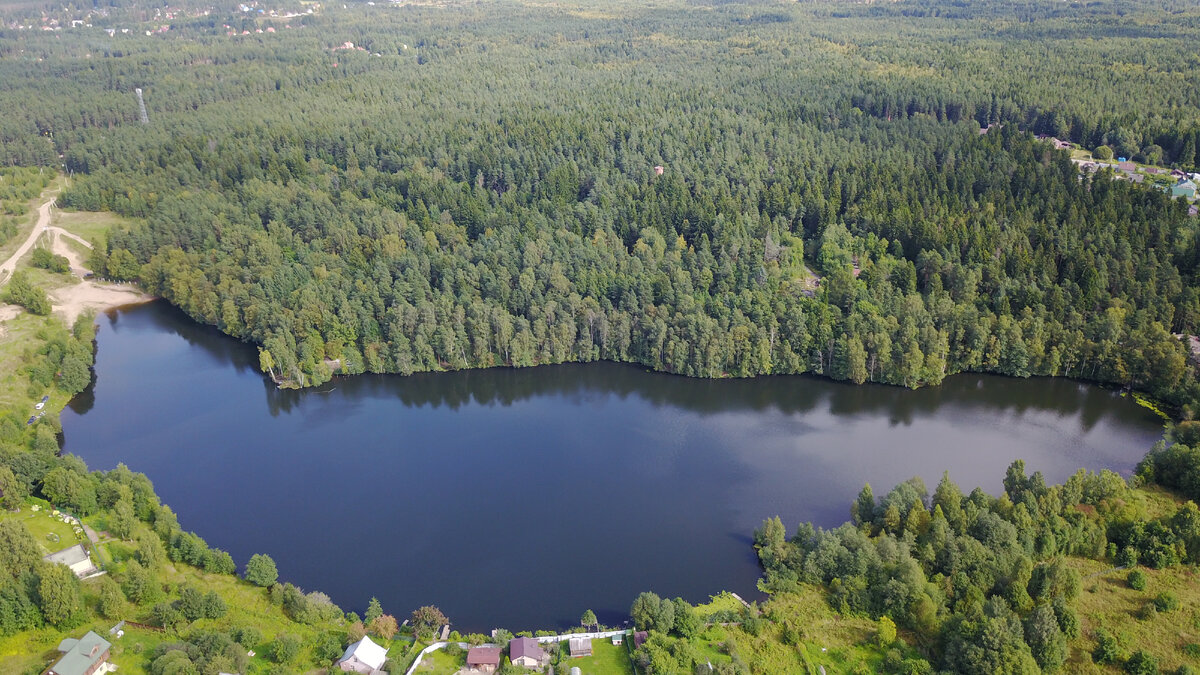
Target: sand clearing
[60,248]
[71,301]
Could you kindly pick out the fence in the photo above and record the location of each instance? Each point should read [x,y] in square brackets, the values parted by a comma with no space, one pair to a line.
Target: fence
[545,639]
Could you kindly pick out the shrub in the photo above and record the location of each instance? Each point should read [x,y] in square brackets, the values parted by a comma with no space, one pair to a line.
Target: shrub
[887,631]
[1137,580]
[1166,601]
[1141,663]
[1107,650]
[284,648]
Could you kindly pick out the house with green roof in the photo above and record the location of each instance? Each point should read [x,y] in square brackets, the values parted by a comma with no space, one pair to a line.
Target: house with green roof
[84,656]
[1184,188]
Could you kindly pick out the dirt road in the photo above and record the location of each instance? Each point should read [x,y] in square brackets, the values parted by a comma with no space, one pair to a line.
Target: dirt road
[59,248]
[72,300]
[43,221]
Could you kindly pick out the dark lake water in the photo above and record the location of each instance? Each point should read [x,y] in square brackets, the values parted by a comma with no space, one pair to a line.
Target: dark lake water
[520,498]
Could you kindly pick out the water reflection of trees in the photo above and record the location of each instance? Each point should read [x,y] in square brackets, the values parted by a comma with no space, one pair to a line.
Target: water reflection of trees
[790,394]
[787,394]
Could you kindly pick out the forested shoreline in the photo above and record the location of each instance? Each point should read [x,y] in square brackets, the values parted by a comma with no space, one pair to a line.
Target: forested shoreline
[710,189]
[349,212]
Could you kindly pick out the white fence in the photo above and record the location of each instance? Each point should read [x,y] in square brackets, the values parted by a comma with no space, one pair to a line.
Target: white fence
[544,639]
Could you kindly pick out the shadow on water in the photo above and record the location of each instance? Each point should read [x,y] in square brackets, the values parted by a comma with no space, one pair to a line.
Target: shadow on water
[630,480]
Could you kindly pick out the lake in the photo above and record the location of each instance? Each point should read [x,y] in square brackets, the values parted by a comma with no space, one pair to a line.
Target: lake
[521,498]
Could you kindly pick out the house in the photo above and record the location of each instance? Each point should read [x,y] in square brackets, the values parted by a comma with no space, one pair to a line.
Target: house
[526,652]
[618,638]
[483,659]
[363,656]
[658,170]
[83,656]
[75,557]
[1127,166]
[1184,188]
[639,638]
[580,646]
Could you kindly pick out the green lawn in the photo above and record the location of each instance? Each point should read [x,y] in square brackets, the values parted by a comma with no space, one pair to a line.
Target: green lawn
[51,533]
[606,659]
[440,663]
[91,225]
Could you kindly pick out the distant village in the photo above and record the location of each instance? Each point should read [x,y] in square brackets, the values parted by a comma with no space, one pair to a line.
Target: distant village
[1175,182]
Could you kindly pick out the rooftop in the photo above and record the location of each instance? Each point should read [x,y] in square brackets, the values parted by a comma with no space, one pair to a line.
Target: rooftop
[523,646]
[366,651]
[80,655]
[483,656]
[68,556]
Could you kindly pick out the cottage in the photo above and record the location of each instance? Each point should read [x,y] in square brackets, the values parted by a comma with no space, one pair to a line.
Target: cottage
[526,652]
[618,638]
[363,656]
[483,659]
[1127,166]
[1184,188]
[580,646]
[83,656]
[75,557]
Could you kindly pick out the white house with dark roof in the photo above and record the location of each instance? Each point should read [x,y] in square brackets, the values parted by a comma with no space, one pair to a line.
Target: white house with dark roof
[363,656]
[527,653]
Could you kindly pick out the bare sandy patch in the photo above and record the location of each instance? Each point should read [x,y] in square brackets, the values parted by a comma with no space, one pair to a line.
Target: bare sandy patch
[71,301]
[59,247]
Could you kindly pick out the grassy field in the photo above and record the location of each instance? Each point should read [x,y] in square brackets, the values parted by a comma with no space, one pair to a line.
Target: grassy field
[606,659]
[51,533]
[28,220]
[721,602]
[18,337]
[92,226]
[1107,602]
[440,663]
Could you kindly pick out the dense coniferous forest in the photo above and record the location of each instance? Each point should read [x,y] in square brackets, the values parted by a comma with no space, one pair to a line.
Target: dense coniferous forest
[706,188]
[472,186]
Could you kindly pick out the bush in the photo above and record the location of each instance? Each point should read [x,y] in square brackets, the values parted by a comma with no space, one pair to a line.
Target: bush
[1107,650]
[284,648]
[1166,601]
[1141,663]
[246,636]
[49,261]
[21,291]
[1137,580]
[887,631]
[1148,612]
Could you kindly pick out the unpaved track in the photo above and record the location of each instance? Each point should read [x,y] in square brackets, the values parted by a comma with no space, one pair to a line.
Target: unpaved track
[59,248]
[10,265]
[68,301]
